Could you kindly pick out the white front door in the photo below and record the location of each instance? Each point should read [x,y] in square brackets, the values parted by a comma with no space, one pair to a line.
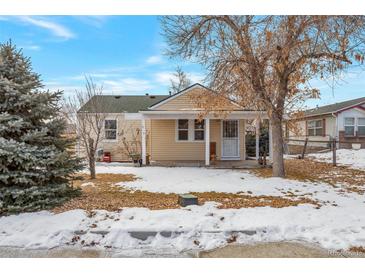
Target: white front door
[230,139]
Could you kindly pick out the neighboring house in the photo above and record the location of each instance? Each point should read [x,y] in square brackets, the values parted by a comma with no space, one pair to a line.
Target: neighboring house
[344,121]
[171,130]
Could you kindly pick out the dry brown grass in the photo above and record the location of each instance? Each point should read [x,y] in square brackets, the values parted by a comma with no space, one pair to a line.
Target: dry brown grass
[357,249]
[351,180]
[106,195]
[229,200]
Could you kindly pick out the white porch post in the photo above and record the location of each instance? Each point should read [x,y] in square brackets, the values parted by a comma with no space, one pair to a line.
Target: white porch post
[143,121]
[270,142]
[207,141]
[257,135]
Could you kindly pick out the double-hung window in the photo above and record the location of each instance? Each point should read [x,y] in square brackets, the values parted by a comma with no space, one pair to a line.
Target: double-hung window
[349,125]
[183,130]
[110,127]
[198,130]
[315,128]
[361,126]
[190,130]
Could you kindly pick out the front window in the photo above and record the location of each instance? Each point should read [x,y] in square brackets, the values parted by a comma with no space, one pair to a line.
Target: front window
[315,128]
[349,126]
[361,126]
[110,127]
[183,130]
[198,130]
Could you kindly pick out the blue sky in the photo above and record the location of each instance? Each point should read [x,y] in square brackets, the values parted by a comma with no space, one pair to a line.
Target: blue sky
[124,53]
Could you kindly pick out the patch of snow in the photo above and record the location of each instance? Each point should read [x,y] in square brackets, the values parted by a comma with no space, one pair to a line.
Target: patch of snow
[193,179]
[41,229]
[88,184]
[348,157]
[196,227]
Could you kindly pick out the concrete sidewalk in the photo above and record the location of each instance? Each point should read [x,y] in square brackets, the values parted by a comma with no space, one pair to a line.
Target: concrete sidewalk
[277,250]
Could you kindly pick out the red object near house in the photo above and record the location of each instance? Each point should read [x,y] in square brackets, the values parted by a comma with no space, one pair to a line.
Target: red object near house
[107,157]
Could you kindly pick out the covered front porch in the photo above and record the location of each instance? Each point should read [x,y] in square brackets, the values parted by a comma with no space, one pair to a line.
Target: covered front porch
[182,138]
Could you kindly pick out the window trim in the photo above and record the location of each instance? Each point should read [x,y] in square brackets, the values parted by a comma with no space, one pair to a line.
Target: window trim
[358,125]
[191,132]
[116,130]
[177,131]
[354,126]
[195,130]
[315,128]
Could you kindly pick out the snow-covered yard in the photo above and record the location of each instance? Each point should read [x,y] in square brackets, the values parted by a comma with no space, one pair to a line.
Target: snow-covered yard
[339,223]
[348,157]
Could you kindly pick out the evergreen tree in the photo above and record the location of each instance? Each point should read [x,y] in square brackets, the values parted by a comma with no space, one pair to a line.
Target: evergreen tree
[36,165]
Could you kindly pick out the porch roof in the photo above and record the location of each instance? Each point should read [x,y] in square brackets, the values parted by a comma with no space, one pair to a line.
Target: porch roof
[193,114]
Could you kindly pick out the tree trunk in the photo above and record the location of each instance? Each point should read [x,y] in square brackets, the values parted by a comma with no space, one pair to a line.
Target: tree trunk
[92,159]
[92,167]
[278,148]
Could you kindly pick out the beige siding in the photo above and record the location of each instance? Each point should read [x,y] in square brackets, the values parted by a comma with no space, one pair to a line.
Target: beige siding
[161,140]
[124,128]
[182,102]
[186,101]
[301,134]
[164,146]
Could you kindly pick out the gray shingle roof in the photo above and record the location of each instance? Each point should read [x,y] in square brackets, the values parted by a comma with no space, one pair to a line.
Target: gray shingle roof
[122,103]
[333,107]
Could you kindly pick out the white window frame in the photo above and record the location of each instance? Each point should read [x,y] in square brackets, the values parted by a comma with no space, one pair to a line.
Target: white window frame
[358,125]
[191,132]
[315,128]
[344,126]
[116,130]
[195,130]
[177,130]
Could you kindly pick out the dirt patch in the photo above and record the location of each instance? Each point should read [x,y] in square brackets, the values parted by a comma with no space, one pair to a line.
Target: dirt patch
[102,193]
[351,180]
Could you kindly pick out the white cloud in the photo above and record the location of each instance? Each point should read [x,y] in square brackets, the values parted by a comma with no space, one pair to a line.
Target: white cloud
[31,47]
[165,77]
[93,75]
[155,59]
[127,85]
[56,29]
[196,77]
[93,20]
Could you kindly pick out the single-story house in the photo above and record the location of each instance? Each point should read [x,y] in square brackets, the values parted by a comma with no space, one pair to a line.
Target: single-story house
[344,121]
[173,131]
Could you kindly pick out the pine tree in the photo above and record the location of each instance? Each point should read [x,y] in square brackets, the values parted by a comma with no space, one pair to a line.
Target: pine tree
[36,165]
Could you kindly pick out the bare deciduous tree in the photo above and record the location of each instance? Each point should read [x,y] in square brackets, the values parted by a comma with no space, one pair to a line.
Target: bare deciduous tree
[267,62]
[89,122]
[180,82]
[131,141]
